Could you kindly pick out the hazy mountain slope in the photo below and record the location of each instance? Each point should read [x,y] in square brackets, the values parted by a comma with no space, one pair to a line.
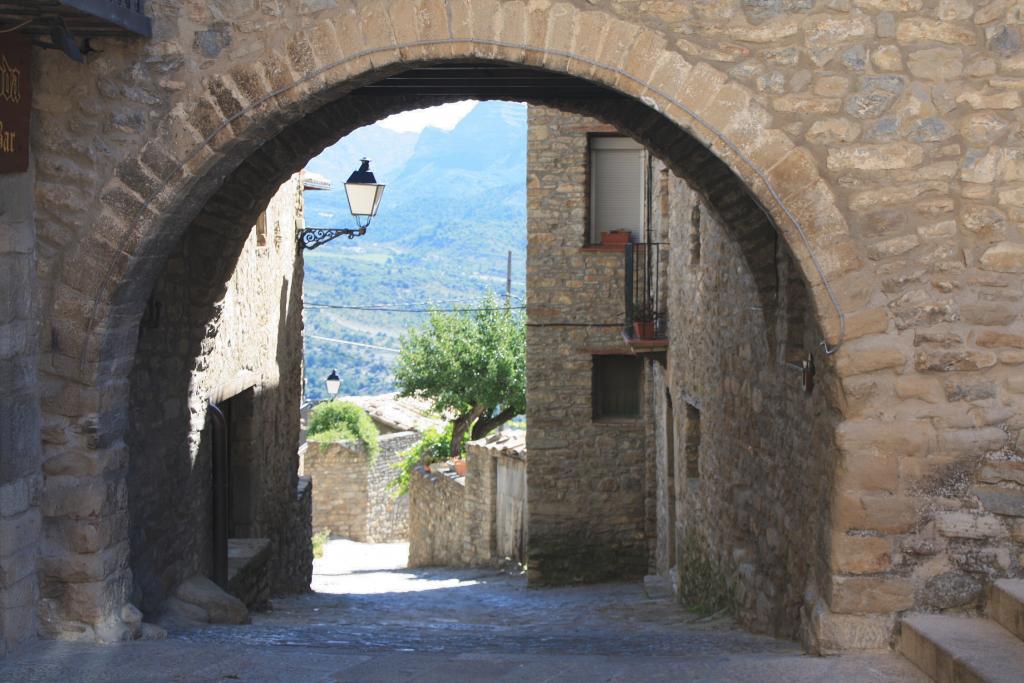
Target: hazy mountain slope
[452,209]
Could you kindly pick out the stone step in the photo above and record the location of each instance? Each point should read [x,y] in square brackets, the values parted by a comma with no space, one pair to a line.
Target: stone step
[1006,606]
[954,649]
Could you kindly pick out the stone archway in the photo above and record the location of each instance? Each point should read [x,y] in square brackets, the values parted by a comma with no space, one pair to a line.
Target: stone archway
[244,117]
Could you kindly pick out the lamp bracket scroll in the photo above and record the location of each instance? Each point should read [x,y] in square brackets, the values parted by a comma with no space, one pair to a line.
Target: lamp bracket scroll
[311,238]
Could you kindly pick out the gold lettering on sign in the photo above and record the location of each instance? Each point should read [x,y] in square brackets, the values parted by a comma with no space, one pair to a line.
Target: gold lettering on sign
[10,81]
[6,139]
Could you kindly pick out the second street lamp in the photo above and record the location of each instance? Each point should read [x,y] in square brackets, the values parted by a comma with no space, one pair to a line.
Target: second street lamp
[363,193]
[333,384]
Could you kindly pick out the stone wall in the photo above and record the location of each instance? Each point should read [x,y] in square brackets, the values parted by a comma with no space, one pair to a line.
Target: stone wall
[746,469]
[586,493]
[452,519]
[339,474]
[238,344]
[296,575]
[20,418]
[351,497]
[437,519]
[387,516]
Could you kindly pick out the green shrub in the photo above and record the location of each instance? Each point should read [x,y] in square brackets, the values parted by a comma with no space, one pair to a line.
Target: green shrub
[343,421]
[320,539]
[432,447]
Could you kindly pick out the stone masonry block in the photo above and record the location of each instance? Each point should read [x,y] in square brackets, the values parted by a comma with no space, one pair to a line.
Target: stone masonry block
[884,438]
[870,594]
[860,554]
[869,355]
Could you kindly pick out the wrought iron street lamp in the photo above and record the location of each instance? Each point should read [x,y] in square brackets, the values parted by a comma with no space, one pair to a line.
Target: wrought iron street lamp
[364,193]
[333,384]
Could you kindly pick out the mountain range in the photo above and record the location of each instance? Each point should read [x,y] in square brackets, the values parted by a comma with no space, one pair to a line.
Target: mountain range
[453,207]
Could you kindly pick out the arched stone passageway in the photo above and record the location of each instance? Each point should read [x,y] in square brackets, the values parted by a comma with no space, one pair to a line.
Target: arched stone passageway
[164,127]
[254,141]
[216,234]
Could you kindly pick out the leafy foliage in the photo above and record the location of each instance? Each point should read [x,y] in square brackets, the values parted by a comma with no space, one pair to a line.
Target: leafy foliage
[343,421]
[470,364]
[320,539]
[433,446]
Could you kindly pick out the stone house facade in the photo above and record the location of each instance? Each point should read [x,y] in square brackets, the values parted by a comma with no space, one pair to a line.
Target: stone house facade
[731,462]
[246,357]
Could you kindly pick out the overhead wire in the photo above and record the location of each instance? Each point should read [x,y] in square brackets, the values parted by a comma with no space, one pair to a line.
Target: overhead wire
[384,309]
[352,343]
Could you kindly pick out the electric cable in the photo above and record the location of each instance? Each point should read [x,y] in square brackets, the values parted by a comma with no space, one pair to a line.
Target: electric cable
[382,309]
[352,343]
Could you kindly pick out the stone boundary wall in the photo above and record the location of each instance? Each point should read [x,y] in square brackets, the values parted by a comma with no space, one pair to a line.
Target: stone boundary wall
[452,520]
[388,516]
[351,497]
[437,520]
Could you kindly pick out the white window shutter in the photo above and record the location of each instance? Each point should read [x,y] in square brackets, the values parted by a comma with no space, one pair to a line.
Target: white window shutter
[617,187]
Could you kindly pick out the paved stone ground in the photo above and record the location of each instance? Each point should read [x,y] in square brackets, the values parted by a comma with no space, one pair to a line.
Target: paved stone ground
[371,619]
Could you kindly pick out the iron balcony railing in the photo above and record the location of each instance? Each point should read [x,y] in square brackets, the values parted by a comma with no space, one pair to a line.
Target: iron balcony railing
[646,317]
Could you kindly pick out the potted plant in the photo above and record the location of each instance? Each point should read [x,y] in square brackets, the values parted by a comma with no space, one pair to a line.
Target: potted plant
[643,321]
[460,466]
[616,237]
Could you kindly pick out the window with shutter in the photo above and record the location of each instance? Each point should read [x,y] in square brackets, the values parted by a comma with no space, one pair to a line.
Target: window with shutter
[615,386]
[616,187]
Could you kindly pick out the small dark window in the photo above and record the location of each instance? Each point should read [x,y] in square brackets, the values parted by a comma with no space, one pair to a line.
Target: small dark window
[691,441]
[261,230]
[615,386]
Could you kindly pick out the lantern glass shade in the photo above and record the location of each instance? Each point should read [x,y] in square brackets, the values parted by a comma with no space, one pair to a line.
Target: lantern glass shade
[363,191]
[333,384]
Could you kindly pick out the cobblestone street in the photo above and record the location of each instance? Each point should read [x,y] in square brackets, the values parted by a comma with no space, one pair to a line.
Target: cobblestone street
[370,619]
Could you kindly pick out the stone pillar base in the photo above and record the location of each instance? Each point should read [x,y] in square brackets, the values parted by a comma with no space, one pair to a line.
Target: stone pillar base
[828,633]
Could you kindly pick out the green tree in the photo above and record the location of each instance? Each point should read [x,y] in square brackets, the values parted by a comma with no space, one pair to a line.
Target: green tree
[470,364]
[432,447]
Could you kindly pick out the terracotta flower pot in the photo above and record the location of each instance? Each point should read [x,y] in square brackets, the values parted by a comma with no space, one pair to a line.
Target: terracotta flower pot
[615,237]
[643,329]
[460,467]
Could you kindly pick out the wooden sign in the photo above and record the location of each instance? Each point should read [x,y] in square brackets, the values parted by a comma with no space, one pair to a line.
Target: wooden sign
[15,102]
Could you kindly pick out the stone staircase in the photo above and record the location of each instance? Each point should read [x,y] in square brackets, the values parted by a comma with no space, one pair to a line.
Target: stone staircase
[961,649]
